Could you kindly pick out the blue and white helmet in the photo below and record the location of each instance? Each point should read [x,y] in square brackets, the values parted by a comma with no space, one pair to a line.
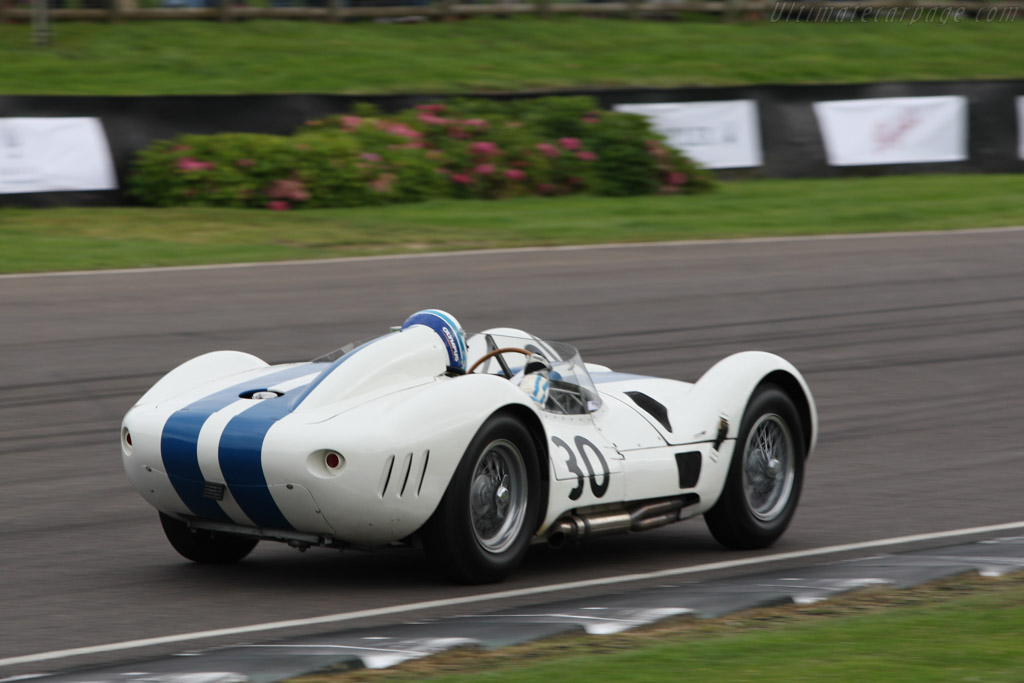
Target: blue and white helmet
[448,329]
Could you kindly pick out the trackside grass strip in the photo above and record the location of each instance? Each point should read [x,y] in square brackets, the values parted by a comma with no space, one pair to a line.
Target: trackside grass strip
[34,240]
[74,238]
[965,629]
[488,55]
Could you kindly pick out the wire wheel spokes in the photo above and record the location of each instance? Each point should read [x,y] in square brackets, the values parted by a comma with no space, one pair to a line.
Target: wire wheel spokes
[769,467]
[499,495]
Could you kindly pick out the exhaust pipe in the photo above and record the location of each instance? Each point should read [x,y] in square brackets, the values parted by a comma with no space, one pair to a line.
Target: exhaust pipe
[641,517]
[575,527]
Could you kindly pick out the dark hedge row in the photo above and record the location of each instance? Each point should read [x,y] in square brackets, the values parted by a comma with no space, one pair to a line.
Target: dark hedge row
[467,148]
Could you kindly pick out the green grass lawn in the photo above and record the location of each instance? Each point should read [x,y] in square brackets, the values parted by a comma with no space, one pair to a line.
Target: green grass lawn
[74,238]
[963,630]
[487,55]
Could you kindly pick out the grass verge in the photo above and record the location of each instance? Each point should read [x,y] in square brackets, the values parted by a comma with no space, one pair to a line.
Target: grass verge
[33,240]
[963,629]
[487,55]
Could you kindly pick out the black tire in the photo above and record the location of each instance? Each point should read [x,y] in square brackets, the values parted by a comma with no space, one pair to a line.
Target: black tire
[458,536]
[206,547]
[758,501]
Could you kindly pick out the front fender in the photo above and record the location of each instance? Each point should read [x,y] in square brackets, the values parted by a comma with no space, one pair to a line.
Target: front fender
[726,388]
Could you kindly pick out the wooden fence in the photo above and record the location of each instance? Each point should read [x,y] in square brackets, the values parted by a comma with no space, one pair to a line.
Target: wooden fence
[341,10]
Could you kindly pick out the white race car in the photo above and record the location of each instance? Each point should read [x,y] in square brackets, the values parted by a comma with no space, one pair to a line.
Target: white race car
[475,447]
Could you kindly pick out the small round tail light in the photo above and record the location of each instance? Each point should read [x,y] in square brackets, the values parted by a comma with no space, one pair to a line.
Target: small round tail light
[325,462]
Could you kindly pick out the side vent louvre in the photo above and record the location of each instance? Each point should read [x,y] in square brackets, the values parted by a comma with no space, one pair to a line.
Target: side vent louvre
[655,409]
[385,476]
[423,474]
[406,468]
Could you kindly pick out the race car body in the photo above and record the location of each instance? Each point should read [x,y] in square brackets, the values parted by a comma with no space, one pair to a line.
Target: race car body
[477,447]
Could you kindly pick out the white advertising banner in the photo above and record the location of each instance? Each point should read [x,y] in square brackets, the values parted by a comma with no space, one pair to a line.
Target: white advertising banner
[893,130]
[54,155]
[1020,127]
[724,134]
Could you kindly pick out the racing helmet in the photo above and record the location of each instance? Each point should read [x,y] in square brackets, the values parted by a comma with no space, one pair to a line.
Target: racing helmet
[448,329]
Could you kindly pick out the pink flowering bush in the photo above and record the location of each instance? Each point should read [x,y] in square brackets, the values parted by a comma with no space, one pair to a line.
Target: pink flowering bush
[548,150]
[473,148]
[485,148]
[235,170]
[190,164]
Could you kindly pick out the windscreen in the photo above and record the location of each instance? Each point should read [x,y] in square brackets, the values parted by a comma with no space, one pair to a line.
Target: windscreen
[569,390]
[335,354]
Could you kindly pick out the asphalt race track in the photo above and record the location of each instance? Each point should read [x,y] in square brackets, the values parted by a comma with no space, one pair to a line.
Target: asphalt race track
[913,345]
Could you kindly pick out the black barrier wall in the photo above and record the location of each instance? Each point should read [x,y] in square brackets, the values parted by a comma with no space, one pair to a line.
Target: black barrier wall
[790,135]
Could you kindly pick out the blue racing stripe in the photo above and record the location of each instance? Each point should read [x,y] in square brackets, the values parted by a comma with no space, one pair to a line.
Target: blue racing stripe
[179,450]
[241,461]
[241,450]
[179,440]
[609,377]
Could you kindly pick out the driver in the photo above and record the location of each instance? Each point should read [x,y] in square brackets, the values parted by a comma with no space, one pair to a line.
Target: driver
[535,378]
[448,329]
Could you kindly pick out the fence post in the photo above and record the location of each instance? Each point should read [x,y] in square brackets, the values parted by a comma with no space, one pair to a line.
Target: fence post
[40,22]
[333,10]
[733,9]
[543,7]
[225,10]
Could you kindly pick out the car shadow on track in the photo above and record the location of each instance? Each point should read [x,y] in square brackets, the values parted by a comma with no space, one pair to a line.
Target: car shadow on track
[402,569]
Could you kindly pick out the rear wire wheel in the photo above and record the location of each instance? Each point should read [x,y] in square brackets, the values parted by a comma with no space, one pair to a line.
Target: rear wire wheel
[481,530]
[206,547]
[765,476]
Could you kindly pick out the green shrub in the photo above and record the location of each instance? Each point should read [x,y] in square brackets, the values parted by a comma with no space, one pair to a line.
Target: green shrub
[466,149]
[229,169]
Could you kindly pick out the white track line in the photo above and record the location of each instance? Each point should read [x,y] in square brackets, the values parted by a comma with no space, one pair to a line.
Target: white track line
[513,250]
[499,595]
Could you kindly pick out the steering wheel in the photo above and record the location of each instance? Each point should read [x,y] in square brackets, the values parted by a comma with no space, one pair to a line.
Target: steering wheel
[498,352]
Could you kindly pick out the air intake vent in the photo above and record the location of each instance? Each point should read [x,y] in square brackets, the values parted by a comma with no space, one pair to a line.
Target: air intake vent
[212,491]
[656,410]
[689,468]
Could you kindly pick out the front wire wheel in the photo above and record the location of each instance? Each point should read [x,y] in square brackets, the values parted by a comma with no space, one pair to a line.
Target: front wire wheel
[481,530]
[769,467]
[765,476]
[499,496]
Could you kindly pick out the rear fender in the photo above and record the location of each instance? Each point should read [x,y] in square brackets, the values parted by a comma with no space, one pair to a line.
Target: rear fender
[401,452]
[198,371]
